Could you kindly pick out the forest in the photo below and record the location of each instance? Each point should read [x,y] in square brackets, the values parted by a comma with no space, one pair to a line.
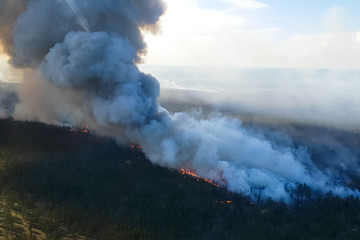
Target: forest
[58,183]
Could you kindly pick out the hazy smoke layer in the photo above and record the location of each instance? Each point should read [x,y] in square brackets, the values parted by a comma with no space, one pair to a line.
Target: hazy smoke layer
[87,50]
[8,100]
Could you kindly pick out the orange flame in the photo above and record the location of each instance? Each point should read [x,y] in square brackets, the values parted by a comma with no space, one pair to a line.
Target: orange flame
[193,174]
[224,202]
[79,130]
[136,146]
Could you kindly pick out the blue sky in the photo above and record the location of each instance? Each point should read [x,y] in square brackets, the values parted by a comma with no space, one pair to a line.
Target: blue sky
[304,16]
[249,33]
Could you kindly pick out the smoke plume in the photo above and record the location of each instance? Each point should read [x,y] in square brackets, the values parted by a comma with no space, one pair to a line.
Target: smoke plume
[8,100]
[83,57]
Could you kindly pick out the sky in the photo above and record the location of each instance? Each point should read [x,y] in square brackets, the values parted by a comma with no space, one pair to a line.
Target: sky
[254,34]
[260,34]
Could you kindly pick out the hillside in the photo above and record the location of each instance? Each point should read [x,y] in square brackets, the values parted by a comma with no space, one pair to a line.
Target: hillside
[59,184]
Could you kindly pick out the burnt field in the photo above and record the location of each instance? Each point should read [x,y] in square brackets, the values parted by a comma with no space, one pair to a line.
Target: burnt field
[58,184]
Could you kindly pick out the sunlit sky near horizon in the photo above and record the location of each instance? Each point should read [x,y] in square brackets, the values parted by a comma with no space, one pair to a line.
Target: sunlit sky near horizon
[249,33]
[255,34]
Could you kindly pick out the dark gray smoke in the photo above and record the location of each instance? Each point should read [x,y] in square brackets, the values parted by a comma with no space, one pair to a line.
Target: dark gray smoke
[88,50]
[9,13]
[99,65]
[102,66]
[45,23]
[8,100]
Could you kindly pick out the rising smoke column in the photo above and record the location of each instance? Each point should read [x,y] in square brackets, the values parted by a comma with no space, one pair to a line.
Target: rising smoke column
[88,49]
[99,66]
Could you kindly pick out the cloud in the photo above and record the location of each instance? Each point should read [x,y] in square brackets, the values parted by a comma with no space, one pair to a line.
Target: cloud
[248,4]
[334,20]
[224,40]
[213,35]
[358,36]
[335,51]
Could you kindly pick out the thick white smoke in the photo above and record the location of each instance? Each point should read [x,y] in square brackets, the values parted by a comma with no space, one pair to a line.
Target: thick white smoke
[93,74]
[221,149]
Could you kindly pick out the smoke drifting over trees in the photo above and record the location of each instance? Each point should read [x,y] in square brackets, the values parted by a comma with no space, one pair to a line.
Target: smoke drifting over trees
[8,100]
[88,75]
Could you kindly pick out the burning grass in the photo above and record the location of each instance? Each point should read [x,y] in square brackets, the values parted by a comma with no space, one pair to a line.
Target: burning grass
[136,146]
[192,173]
[79,129]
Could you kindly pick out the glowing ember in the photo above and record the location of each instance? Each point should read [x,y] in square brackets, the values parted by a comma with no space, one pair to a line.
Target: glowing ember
[136,146]
[86,130]
[79,129]
[224,202]
[193,174]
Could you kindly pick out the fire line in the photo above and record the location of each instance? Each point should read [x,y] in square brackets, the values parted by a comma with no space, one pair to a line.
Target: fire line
[193,174]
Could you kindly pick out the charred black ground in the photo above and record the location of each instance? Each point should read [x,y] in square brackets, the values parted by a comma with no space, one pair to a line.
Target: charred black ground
[57,183]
